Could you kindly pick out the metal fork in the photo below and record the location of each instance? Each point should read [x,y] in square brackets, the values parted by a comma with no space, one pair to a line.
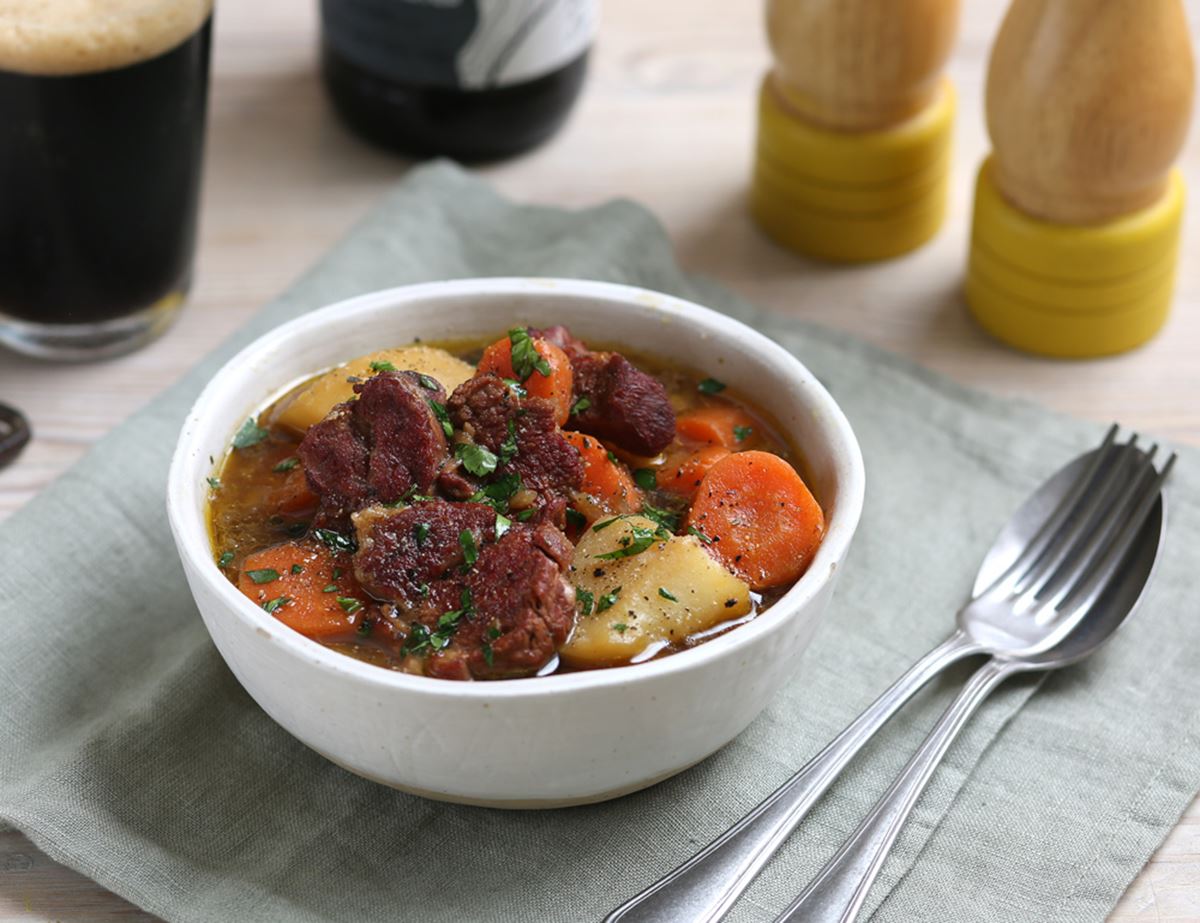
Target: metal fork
[1044,571]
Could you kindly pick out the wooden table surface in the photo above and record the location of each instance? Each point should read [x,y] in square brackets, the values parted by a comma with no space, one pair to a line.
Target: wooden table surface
[667,119]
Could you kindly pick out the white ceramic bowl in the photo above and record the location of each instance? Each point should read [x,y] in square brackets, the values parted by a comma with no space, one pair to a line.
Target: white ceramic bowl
[521,743]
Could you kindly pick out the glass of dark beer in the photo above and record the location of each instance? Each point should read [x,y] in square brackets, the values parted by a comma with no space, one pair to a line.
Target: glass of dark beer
[102,111]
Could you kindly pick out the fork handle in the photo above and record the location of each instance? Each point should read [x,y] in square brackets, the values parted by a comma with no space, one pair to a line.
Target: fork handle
[837,893]
[703,888]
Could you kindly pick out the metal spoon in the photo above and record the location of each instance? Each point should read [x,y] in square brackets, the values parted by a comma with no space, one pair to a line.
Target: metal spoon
[1073,514]
[837,893]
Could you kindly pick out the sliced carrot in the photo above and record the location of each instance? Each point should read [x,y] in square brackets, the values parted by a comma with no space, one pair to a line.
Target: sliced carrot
[683,471]
[607,482]
[296,583]
[291,496]
[556,387]
[758,517]
[716,424]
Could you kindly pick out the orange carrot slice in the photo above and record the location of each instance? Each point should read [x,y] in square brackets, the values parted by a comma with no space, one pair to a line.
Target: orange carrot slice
[682,473]
[296,583]
[607,482]
[716,424]
[755,513]
[556,387]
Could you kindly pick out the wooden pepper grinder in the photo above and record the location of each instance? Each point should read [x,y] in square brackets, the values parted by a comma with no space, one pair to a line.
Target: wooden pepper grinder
[854,128]
[1078,210]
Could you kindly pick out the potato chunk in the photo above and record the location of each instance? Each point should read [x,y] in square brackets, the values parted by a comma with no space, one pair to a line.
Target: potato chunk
[664,593]
[312,403]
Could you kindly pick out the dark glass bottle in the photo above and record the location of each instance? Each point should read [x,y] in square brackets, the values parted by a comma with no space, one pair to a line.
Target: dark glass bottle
[475,80]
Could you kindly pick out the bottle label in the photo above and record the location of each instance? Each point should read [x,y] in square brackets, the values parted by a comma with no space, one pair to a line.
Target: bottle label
[473,44]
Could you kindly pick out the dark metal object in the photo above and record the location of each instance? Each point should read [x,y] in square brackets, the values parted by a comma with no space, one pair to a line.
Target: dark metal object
[14,434]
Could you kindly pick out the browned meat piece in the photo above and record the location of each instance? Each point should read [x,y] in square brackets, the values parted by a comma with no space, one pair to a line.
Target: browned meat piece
[626,405]
[404,554]
[487,410]
[561,337]
[376,448]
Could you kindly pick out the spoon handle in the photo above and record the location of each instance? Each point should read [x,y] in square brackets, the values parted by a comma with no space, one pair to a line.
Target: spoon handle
[703,888]
[838,891]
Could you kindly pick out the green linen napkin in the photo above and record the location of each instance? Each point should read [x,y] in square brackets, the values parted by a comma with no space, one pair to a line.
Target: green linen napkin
[129,752]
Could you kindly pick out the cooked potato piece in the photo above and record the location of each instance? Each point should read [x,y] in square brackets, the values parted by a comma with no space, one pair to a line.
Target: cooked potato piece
[311,404]
[666,592]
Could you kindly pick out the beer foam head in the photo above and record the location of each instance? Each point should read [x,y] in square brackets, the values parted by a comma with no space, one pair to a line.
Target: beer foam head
[59,37]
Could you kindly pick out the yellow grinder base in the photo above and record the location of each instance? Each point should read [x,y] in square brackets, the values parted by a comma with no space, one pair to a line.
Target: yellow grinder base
[1067,291]
[851,196]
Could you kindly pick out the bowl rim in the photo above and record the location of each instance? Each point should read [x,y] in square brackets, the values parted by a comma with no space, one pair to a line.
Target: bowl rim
[192,540]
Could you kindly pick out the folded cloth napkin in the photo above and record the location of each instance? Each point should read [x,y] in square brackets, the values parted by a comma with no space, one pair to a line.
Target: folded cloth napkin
[129,752]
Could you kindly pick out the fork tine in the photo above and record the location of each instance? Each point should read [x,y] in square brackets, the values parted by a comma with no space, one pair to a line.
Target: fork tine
[1094,579]
[1061,515]
[1099,516]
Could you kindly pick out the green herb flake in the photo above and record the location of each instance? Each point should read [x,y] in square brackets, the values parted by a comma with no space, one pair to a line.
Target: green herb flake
[611,457]
[667,594]
[584,599]
[620,627]
[365,626]
[605,523]
[638,540]
[382,365]
[499,492]
[286,465]
[470,550]
[580,405]
[742,433]
[576,518]
[264,575]
[423,590]
[668,519]
[493,631]
[225,559]
[508,448]
[337,573]
[608,600]
[525,358]
[692,530]
[421,532]
[428,383]
[503,524]
[214,483]
[517,387]
[335,541]
[477,459]
[349,604]
[443,417]
[330,588]
[297,568]
[711,386]
[272,604]
[417,640]
[526,515]
[250,434]
[645,478]
[488,656]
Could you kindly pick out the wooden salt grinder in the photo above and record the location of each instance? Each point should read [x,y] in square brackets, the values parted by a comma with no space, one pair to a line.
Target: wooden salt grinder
[855,122]
[1078,210]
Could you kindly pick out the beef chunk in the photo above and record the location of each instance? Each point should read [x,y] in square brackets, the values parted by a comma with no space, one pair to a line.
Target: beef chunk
[489,412]
[379,447]
[626,405]
[561,337]
[404,554]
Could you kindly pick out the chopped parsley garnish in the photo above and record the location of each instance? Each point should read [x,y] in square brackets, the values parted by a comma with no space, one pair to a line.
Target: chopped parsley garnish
[272,604]
[443,417]
[477,459]
[608,600]
[645,478]
[214,483]
[583,599]
[423,590]
[286,465]
[668,519]
[470,550]
[692,530]
[580,405]
[417,640]
[525,358]
[429,383]
[421,532]
[711,386]
[526,515]
[611,457]
[382,365]
[499,492]
[330,588]
[742,433]
[493,631]
[508,448]
[605,523]
[297,568]
[364,627]
[448,621]
[576,518]
[487,653]
[639,539]
[517,387]
[503,524]
[337,573]
[264,575]
[349,604]
[250,434]
[667,594]
[225,559]
[335,541]
[620,627]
